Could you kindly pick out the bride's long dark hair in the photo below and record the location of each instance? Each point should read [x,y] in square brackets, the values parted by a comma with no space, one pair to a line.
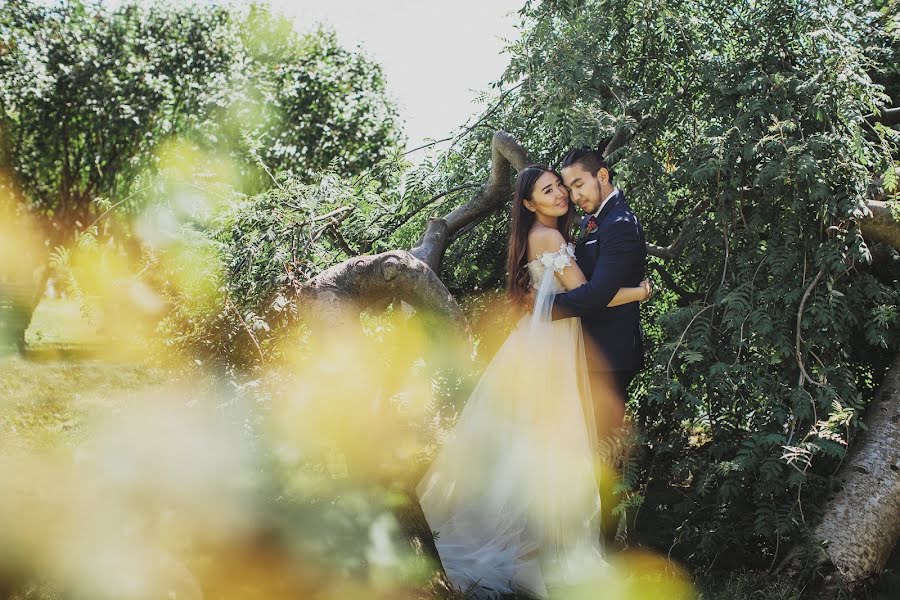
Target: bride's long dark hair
[520,222]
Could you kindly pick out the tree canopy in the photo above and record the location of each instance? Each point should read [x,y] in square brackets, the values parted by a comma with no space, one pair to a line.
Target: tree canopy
[89,93]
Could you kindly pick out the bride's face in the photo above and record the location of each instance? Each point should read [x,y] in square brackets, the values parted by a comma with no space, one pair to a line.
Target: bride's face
[549,196]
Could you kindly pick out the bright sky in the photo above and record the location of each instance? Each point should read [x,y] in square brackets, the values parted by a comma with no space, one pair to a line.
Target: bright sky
[436,54]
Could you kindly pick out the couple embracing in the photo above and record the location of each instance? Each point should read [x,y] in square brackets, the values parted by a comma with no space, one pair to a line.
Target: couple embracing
[512,495]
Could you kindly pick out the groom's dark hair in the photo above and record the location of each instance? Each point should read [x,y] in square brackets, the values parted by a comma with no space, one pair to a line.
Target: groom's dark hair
[592,160]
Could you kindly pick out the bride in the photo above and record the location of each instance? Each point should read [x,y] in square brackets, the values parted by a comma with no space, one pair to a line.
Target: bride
[512,495]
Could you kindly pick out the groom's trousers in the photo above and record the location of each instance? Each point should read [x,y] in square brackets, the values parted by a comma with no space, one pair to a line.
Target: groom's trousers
[609,392]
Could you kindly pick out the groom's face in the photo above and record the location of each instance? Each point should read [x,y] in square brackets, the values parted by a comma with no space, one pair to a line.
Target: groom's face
[584,187]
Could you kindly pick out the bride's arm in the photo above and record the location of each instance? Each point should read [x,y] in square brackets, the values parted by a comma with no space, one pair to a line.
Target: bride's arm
[625,295]
[571,277]
[631,294]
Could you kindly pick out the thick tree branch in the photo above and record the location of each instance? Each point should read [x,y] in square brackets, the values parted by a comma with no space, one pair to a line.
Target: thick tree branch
[862,523]
[685,296]
[880,225]
[683,237]
[889,117]
[496,191]
[341,292]
[619,138]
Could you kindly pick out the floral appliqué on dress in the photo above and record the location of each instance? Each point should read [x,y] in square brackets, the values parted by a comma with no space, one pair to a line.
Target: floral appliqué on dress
[558,260]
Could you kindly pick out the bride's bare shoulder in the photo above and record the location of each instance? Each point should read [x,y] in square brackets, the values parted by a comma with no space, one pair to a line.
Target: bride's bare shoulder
[543,239]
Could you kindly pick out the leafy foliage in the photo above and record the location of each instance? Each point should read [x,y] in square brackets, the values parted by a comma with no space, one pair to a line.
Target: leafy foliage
[88,94]
[301,104]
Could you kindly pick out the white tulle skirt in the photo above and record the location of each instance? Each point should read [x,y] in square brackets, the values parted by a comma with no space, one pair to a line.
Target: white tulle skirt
[512,494]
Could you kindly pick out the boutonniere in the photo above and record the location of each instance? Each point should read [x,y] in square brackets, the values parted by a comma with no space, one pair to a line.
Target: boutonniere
[591,225]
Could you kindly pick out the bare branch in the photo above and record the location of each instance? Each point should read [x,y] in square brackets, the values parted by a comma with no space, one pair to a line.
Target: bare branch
[683,333]
[405,218]
[427,145]
[249,331]
[338,211]
[488,112]
[336,234]
[684,236]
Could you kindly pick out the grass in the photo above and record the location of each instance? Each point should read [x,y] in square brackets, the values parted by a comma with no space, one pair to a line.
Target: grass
[45,402]
[48,396]
[61,322]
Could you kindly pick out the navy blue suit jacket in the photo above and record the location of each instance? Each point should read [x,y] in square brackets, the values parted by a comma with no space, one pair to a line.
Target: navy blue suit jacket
[612,256]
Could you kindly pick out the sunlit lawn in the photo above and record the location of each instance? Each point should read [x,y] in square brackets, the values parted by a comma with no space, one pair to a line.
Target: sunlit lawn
[45,395]
[59,324]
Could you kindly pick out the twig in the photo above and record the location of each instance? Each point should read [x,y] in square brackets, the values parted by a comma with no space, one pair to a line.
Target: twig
[775,554]
[265,167]
[246,327]
[488,112]
[725,266]
[405,218]
[335,218]
[335,232]
[334,213]
[680,339]
[741,340]
[113,207]
[428,145]
[798,338]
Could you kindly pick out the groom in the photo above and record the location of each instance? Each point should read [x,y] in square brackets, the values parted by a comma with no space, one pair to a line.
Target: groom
[612,253]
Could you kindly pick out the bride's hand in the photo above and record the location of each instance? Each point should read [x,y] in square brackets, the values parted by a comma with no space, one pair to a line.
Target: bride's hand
[647,286]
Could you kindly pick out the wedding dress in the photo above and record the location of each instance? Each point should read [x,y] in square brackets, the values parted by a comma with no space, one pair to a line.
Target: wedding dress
[512,494]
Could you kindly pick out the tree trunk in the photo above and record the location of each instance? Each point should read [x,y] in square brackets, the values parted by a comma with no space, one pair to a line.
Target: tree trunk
[333,296]
[862,522]
[19,297]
